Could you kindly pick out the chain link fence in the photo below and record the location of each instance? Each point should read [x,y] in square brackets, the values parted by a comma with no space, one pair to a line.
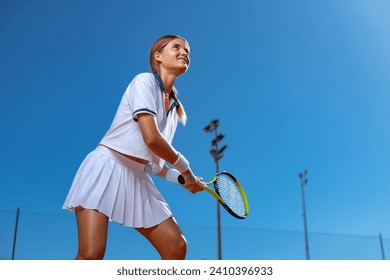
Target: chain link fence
[43,236]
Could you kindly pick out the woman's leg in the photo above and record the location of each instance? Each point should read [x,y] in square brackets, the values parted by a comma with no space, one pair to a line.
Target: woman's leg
[92,234]
[167,238]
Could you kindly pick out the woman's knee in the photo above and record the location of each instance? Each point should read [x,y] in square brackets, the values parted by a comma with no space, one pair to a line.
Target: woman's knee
[167,238]
[176,249]
[91,254]
[181,245]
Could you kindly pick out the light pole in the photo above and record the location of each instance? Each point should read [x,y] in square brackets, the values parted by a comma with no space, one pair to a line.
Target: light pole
[216,152]
[304,181]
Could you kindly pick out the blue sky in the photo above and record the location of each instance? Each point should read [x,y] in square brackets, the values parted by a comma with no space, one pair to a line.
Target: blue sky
[296,85]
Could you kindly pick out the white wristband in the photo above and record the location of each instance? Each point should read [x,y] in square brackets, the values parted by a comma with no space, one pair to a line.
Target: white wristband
[181,164]
[173,175]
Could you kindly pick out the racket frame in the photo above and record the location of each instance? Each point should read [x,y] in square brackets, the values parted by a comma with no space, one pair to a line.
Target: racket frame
[217,196]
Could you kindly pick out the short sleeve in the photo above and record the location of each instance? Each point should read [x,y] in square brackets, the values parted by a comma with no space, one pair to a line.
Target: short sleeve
[143,96]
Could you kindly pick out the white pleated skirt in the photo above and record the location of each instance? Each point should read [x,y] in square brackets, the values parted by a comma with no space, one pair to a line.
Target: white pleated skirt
[119,188]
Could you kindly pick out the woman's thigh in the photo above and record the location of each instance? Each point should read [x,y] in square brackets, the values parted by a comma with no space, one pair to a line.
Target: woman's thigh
[92,229]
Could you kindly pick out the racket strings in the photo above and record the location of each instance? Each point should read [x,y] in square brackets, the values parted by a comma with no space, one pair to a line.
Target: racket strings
[229,191]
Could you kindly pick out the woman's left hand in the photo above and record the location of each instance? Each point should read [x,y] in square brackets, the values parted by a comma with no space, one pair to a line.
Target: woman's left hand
[192,183]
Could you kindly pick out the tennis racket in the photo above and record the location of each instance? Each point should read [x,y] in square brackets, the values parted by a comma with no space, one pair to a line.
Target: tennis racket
[228,192]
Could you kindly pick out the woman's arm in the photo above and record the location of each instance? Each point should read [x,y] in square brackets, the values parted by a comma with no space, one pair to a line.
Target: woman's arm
[157,143]
[154,139]
[163,172]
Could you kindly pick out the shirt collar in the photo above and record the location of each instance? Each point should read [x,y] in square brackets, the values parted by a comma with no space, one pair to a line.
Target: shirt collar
[159,81]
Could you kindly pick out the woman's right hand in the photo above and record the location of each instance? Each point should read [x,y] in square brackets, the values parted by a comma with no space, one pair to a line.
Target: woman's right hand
[192,183]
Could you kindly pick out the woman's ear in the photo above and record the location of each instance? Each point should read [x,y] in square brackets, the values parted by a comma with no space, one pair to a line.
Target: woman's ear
[157,56]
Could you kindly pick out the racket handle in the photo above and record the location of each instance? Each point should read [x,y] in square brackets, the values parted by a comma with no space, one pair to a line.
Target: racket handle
[181,179]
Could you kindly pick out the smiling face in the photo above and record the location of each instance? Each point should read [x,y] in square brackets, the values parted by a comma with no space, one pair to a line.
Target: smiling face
[173,57]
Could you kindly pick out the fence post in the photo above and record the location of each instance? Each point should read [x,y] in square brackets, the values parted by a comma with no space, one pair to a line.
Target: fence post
[382,249]
[15,233]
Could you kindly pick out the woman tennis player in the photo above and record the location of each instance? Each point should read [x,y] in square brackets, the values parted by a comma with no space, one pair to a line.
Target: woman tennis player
[113,181]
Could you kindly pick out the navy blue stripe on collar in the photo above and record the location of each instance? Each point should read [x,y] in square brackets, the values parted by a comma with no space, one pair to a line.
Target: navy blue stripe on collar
[159,81]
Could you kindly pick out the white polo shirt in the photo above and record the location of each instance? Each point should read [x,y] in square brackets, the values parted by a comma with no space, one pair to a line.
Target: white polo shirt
[145,94]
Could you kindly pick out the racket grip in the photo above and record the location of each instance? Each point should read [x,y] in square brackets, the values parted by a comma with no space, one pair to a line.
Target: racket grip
[181,179]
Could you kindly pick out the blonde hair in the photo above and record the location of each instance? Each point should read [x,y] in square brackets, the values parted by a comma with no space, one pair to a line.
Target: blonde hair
[158,46]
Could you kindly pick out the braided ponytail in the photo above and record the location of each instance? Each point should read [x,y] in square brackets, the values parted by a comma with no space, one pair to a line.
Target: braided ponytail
[179,109]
